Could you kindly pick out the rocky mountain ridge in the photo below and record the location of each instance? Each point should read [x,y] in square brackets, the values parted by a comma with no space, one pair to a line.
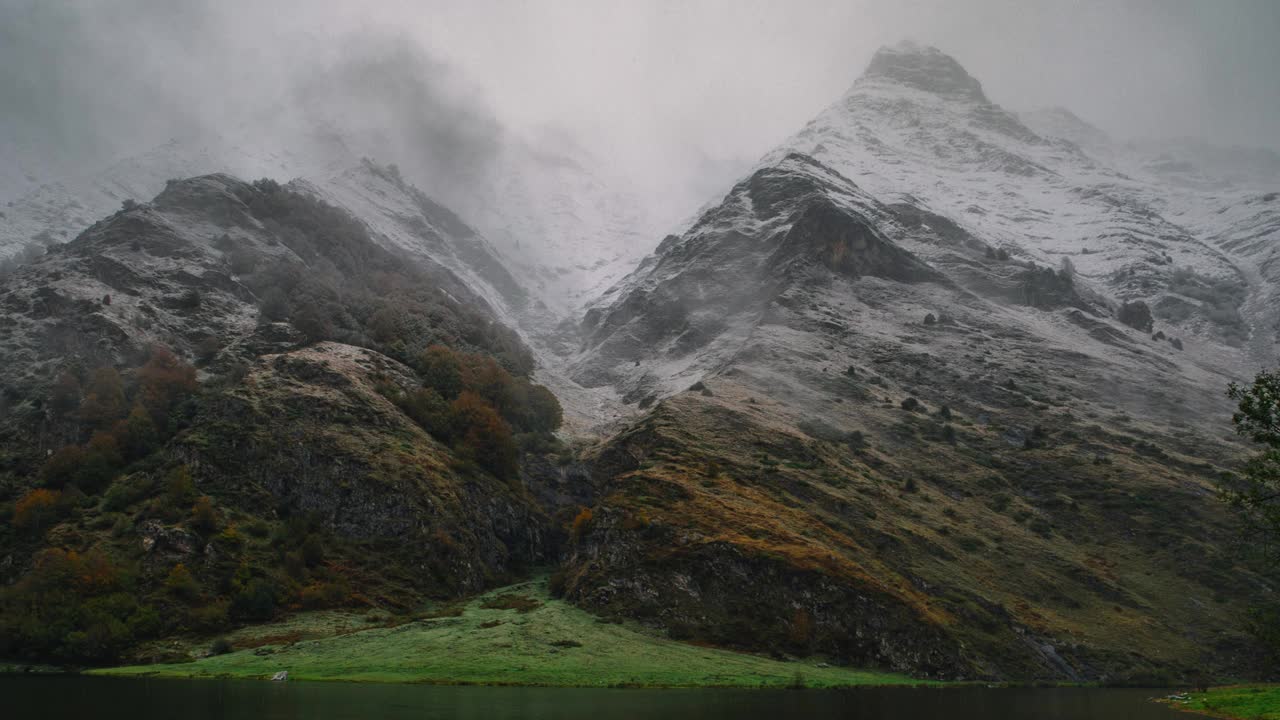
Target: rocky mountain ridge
[926,355]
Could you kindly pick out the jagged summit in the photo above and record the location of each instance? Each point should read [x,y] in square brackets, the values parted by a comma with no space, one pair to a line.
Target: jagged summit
[922,67]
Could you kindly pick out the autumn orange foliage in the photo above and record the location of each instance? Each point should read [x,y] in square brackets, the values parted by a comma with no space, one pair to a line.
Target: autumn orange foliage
[36,509]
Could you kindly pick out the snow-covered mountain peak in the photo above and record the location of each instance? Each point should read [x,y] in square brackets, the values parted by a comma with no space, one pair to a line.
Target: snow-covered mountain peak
[922,67]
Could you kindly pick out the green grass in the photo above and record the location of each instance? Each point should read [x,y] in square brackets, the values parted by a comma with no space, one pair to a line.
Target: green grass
[1248,702]
[552,643]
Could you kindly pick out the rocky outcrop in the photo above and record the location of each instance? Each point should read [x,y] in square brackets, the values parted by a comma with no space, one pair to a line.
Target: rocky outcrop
[847,245]
[724,594]
[307,433]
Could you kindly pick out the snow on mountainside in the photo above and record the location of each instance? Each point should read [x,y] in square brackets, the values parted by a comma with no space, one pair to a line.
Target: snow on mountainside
[890,365]
[1016,220]
[916,128]
[555,223]
[58,210]
[569,228]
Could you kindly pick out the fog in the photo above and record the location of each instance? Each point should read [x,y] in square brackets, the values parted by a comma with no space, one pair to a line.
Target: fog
[677,96]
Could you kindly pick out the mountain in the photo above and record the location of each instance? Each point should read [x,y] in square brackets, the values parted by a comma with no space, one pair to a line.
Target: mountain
[239,397]
[545,211]
[930,389]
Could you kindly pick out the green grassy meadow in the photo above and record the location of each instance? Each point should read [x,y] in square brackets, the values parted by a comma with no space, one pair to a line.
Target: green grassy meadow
[1248,702]
[517,635]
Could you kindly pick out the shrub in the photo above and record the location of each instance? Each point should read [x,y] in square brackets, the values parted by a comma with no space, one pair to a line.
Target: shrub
[209,618]
[582,524]
[312,321]
[36,510]
[257,601]
[1136,315]
[63,467]
[949,434]
[162,382]
[101,463]
[323,594]
[430,411]
[104,403]
[124,492]
[221,646]
[181,584]
[65,394]
[180,489]
[911,405]
[312,550]
[203,517]
[137,434]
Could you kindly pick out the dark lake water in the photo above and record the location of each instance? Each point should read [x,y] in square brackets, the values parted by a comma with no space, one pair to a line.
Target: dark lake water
[29,697]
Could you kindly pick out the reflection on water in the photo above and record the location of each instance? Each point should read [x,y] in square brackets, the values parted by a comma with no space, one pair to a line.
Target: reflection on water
[132,699]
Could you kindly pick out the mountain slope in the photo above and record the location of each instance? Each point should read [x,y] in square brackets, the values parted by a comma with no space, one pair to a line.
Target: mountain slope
[942,145]
[887,423]
[554,220]
[346,440]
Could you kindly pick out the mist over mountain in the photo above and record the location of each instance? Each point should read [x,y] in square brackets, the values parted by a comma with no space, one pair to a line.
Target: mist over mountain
[376,313]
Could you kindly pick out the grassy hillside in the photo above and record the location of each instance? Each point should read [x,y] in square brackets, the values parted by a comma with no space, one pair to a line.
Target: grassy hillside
[516,635]
[1088,553]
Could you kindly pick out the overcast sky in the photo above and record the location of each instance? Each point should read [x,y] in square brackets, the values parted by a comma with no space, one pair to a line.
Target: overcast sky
[677,94]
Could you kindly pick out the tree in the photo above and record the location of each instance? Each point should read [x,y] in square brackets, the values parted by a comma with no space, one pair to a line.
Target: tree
[137,434]
[1255,494]
[545,413]
[430,411]
[36,510]
[105,402]
[180,489]
[483,435]
[65,394]
[162,382]
[441,370]
[101,464]
[181,583]
[63,466]
[312,323]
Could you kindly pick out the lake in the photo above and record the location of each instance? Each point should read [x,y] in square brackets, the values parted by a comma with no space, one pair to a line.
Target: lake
[29,696]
